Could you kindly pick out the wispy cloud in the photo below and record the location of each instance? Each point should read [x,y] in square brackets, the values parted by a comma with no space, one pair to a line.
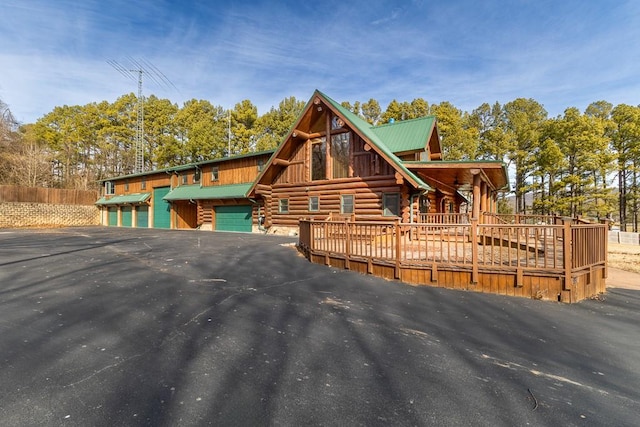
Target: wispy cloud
[466,52]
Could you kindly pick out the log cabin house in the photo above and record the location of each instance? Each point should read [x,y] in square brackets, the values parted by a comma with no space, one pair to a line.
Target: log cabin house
[334,163]
[375,199]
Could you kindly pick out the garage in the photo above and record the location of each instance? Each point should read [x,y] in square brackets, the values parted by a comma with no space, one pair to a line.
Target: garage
[233,218]
[112,215]
[142,216]
[126,216]
[161,208]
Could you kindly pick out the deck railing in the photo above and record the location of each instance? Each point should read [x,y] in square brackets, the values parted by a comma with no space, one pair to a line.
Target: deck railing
[560,249]
[493,218]
[443,218]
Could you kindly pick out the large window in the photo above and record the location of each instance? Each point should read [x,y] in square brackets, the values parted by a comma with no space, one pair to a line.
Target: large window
[319,160]
[391,204]
[346,203]
[340,154]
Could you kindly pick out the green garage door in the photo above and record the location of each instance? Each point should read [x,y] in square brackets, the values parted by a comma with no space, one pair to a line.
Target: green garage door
[126,216]
[112,217]
[143,216]
[161,208]
[233,218]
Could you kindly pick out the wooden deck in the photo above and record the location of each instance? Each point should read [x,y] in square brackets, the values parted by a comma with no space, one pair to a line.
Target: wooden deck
[560,262]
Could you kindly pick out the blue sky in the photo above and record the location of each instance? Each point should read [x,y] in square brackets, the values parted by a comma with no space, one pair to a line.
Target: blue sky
[561,53]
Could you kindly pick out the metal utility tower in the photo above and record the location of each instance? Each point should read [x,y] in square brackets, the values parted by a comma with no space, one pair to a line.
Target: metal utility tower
[139,164]
[134,71]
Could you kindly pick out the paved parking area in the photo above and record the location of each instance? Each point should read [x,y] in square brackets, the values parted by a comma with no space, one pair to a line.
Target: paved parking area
[110,326]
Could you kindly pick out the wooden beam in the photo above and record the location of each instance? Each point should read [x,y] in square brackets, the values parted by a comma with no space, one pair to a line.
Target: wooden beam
[281,162]
[399,178]
[297,133]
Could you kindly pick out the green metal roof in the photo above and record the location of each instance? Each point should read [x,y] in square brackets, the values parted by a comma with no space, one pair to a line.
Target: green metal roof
[196,192]
[189,165]
[368,131]
[406,135]
[127,199]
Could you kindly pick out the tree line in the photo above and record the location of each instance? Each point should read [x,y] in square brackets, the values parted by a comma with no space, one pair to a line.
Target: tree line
[578,163]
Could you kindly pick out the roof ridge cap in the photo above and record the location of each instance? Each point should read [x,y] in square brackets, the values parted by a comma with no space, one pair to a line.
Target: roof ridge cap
[406,121]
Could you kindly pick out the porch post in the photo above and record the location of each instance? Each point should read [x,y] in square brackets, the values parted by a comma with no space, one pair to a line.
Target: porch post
[476,195]
[483,200]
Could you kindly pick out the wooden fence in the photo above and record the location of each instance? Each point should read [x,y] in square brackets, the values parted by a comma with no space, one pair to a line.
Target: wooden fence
[565,261]
[56,196]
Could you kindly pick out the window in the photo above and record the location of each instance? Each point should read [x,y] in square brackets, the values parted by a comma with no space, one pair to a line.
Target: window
[109,188]
[319,160]
[261,163]
[143,184]
[391,204]
[346,203]
[336,123]
[215,173]
[126,186]
[185,178]
[196,175]
[283,206]
[314,203]
[340,155]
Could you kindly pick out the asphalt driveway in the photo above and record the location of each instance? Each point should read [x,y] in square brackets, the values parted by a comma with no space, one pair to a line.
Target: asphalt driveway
[111,326]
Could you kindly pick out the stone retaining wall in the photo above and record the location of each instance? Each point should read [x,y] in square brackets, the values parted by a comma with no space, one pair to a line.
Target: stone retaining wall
[47,215]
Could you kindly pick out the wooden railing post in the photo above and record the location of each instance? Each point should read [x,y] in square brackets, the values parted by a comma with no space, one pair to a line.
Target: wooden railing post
[398,249]
[474,251]
[605,238]
[567,240]
[347,243]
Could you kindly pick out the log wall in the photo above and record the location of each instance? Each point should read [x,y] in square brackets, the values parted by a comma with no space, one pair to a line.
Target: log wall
[367,198]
